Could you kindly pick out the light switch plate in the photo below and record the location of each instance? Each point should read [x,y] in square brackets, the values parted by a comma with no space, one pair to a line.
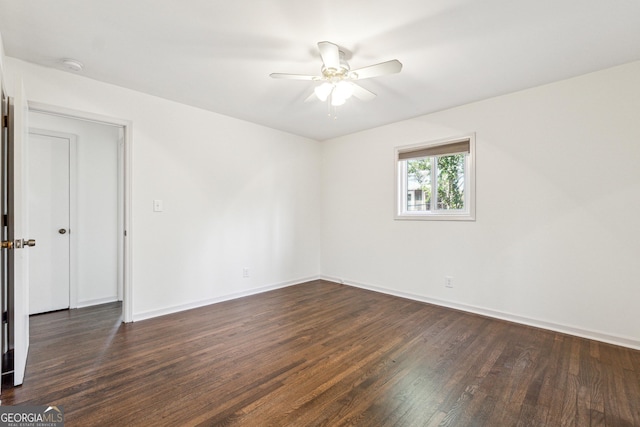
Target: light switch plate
[157,205]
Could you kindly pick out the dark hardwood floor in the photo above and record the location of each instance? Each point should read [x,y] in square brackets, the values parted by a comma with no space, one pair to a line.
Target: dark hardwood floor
[322,354]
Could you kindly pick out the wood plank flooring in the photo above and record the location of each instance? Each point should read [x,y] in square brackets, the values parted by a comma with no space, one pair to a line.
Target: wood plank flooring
[322,354]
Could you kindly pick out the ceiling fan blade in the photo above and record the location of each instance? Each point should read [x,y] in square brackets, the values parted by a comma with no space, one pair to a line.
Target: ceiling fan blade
[376,70]
[330,55]
[362,93]
[294,76]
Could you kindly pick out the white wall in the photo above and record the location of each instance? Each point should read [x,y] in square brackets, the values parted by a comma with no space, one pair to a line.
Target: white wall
[97,205]
[556,240]
[236,195]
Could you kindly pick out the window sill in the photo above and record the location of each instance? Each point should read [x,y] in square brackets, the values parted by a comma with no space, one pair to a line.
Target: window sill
[436,217]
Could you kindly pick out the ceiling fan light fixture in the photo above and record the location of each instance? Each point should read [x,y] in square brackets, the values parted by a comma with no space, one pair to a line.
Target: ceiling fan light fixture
[323,91]
[337,101]
[344,89]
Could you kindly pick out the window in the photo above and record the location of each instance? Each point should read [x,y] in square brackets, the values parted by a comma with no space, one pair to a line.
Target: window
[436,180]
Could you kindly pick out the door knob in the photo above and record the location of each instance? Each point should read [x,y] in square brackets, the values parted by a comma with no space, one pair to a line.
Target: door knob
[62,231]
[22,243]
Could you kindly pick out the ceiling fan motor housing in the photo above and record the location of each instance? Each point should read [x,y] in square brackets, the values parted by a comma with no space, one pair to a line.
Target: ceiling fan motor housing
[340,73]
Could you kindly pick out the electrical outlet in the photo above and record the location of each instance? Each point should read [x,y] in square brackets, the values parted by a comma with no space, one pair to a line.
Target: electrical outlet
[448,282]
[245,273]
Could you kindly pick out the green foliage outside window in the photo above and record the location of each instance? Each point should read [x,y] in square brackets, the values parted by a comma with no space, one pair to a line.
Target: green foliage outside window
[450,180]
[420,171]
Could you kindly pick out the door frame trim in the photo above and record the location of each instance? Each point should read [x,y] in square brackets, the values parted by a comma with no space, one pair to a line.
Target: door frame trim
[127,126]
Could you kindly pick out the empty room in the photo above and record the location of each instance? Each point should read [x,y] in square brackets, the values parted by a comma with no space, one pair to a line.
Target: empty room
[279,213]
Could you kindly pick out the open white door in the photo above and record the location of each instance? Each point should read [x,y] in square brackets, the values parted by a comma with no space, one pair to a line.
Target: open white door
[4,245]
[17,232]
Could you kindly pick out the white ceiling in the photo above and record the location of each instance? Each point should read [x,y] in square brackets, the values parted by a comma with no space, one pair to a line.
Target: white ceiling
[218,55]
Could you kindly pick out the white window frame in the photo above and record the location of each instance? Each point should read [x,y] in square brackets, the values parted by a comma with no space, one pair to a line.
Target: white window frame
[466,214]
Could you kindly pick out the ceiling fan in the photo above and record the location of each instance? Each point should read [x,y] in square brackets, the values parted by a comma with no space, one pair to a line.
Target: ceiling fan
[338,80]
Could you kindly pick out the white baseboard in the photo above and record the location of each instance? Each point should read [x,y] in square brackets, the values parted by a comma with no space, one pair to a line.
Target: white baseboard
[196,304]
[89,303]
[566,329]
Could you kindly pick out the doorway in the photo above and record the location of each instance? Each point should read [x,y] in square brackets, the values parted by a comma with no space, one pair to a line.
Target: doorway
[99,207]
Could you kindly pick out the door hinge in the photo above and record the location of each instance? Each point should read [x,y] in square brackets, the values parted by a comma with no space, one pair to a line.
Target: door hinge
[5,113]
[5,317]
